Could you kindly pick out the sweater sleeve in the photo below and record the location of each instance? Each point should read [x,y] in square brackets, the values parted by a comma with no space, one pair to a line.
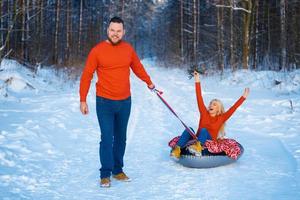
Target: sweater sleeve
[87,75]
[139,69]
[233,108]
[201,105]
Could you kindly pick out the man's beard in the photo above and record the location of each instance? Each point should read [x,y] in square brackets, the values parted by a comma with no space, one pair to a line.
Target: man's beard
[114,43]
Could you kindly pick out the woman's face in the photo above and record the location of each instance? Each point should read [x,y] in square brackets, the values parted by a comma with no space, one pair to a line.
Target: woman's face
[213,108]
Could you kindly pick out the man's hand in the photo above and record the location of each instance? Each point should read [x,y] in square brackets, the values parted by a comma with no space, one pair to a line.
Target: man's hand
[151,87]
[246,92]
[84,108]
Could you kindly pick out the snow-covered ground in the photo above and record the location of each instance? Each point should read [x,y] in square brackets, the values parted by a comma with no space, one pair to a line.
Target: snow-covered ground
[48,150]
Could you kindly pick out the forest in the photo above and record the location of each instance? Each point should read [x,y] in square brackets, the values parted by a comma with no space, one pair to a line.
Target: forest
[202,34]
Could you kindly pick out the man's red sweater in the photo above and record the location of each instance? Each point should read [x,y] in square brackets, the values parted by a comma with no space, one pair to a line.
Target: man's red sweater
[213,124]
[112,63]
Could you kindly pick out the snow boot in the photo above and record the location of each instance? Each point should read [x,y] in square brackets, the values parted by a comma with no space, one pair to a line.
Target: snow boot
[105,182]
[176,152]
[195,148]
[122,177]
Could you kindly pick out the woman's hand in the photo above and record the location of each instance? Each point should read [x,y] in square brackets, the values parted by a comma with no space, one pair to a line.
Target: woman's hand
[246,92]
[197,77]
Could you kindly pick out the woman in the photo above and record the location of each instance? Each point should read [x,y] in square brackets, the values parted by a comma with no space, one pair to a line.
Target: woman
[212,121]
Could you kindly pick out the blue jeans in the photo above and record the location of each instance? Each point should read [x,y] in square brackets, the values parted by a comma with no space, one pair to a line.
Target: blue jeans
[113,118]
[185,137]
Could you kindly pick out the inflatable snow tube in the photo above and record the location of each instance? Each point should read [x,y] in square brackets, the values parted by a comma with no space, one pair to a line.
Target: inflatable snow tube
[207,160]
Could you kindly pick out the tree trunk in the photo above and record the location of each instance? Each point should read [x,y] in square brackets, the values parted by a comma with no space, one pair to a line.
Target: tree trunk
[246,31]
[40,26]
[23,30]
[194,60]
[283,35]
[269,36]
[80,27]
[1,32]
[68,32]
[8,22]
[233,62]
[296,30]
[220,22]
[123,7]
[16,37]
[26,48]
[181,32]
[57,21]
[198,30]
[255,58]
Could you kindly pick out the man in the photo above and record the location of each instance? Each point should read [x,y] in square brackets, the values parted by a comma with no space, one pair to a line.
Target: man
[112,60]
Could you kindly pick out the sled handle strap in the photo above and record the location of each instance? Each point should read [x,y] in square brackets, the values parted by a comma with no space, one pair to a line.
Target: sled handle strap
[159,93]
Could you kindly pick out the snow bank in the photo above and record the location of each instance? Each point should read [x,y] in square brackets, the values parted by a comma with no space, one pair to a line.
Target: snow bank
[280,82]
[16,80]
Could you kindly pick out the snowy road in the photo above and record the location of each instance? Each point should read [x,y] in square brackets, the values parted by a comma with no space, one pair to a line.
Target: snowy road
[48,150]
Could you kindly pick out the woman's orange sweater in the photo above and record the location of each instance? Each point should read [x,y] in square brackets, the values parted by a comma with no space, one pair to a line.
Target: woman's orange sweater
[213,124]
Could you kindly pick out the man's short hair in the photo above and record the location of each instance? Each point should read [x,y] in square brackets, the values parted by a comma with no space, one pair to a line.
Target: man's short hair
[116,20]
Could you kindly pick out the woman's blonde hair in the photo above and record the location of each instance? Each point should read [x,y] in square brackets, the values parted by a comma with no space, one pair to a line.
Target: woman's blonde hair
[220,111]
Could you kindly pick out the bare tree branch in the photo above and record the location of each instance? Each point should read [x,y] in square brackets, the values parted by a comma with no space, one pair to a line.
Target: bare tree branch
[234,8]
